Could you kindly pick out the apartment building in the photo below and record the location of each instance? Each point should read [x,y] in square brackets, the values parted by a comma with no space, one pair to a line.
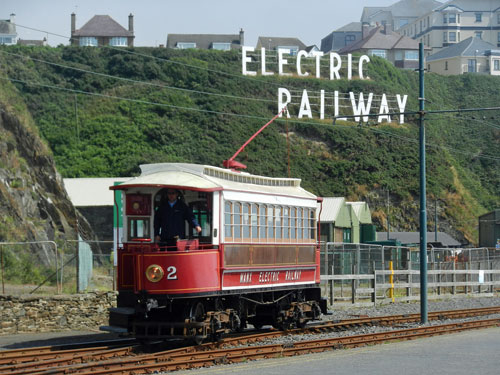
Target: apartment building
[456,21]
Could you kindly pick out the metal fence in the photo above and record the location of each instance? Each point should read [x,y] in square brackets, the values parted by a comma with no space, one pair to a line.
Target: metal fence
[55,267]
[351,270]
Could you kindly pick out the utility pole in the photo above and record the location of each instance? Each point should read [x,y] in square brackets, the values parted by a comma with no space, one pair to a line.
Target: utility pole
[436,220]
[388,221]
[423,214]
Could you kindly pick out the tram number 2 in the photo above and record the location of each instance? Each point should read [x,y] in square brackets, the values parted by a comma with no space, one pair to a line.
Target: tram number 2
[171,273]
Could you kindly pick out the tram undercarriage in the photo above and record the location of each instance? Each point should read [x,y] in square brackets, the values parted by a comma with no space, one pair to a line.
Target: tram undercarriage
[154,317]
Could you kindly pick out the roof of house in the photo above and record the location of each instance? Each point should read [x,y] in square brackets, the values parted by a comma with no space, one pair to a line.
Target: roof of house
[414,238]
[7,28]
[272,42]
[468,5]
[103,25]
[330,208]
[350,27]
[203,41]
[362,211]
[403,8]
[413,8]
[378,39]
[470,47]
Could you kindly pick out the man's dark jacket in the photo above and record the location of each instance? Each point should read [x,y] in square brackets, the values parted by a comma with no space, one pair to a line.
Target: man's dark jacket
[169,221]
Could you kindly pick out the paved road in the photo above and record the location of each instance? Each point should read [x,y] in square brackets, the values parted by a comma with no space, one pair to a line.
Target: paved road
[471,353]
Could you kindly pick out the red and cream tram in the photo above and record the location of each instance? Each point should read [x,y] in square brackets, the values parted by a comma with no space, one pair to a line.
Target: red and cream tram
[255,261]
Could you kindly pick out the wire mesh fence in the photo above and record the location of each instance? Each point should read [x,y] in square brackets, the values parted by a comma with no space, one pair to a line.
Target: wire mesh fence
[55,267]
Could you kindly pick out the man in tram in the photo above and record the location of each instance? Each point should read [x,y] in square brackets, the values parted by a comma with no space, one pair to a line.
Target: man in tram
[169,220]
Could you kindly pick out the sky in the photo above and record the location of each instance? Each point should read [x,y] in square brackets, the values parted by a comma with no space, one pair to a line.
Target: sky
[308,20]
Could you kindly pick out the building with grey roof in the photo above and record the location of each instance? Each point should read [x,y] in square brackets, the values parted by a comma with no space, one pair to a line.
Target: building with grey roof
[222,42]
[8,33]
[413,238]
[342,37]
[273,43]
[455,21]
[102,30]
[398,14]
[401,51]
[472,55]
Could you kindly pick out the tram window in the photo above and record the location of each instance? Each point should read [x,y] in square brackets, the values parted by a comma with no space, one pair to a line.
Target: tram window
[286,222]
[299,223]
[262,220]
[246,220]
[305,226]
[293,222]
[254,222]
[138,228]
[313,225]
[277,221]
[228,228]
[270,222]
[237,220]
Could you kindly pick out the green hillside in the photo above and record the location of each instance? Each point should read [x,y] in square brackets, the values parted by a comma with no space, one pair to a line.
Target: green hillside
[143,119]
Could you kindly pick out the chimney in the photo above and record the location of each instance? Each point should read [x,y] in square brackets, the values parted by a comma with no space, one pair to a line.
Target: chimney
[73,23]
[12,18]
[131,23]
[364,30]
[242,37]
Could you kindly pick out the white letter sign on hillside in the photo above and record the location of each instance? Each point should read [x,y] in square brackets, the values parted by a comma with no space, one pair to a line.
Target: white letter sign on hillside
[359,106]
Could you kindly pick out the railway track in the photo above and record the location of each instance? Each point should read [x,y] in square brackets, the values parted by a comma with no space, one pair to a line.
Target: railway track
[107,359]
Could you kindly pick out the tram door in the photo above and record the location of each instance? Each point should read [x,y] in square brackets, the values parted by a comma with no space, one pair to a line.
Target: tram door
[202,210]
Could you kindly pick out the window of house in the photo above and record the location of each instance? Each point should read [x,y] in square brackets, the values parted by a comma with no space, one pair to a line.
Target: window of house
[6,40]
[471,65]
[453,36]
[349,39]
[293,49]
[452,18]
[411,55]
[185,45]
[118,42]
[445,37]
[478,34]
[479,17]
[498,18]
[445,18]
[496,65]
[379,52]
[398,55]
[498,37]
[88,41]
[221,46]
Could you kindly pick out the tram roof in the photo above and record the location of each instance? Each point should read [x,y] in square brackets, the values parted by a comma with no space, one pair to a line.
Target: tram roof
[209,178]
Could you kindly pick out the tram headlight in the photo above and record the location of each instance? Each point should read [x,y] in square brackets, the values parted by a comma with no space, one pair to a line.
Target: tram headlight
[154,273]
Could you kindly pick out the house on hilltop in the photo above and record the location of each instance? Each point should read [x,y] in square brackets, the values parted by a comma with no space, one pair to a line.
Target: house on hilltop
[400,50]
[455,21]
[399,14]
[272,43]
[342,37]
[8,33]
[102,30]
[472,55]
[221,42]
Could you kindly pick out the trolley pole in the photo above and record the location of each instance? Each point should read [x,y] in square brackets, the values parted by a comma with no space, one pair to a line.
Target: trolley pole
[423,214]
